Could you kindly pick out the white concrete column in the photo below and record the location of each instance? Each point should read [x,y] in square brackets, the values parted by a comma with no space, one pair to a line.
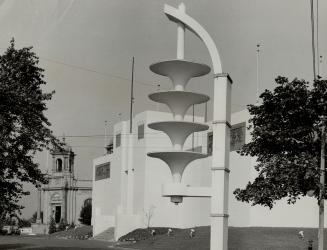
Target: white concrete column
[220,162]
[130,176]
[180,35]
[124,165]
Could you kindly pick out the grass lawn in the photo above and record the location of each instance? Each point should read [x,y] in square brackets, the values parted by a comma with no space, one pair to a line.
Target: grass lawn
[239,239]
[254,238]
[78,233]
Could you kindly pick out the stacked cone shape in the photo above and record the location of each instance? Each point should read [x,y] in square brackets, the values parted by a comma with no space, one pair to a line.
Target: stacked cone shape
[179,101]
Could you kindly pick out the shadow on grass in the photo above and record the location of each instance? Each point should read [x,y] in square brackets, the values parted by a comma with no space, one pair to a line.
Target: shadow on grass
[63,248]
[15,246]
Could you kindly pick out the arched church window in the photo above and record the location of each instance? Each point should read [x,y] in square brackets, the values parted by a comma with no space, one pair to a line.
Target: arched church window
[59,165]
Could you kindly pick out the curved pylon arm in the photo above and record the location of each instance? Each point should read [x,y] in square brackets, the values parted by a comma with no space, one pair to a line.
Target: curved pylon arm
[178,16]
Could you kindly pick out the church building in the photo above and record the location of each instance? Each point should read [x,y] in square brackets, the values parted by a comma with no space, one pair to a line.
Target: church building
[64,195]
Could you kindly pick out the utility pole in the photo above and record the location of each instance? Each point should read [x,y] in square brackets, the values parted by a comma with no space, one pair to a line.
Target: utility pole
[132,100]
[313,40]
[257,90]
[322,186]
[105,137]
[320,62]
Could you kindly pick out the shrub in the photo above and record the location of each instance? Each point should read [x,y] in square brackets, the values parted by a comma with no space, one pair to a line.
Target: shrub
[62,225]
[24,223]
[86,214]
[52,226]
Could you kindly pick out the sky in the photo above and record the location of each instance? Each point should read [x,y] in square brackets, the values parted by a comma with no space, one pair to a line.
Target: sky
[86,48]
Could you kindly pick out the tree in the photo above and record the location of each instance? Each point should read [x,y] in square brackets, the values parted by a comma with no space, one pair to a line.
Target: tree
[86,213]
[288,139]
[148,215]
[24,129]
[52,225]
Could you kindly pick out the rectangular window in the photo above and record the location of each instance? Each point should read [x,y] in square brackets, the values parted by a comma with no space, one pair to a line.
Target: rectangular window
[102,171]
[140,132]
[237,136]
[118,140]
[209,143]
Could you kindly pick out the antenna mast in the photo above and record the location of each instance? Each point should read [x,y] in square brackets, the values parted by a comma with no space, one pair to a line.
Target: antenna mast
[132,100]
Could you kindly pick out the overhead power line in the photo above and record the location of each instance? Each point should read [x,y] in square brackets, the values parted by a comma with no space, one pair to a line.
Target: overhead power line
[98,72]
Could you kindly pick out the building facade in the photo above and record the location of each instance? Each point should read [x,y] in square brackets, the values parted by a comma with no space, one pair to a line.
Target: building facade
[127,184]
[64,195]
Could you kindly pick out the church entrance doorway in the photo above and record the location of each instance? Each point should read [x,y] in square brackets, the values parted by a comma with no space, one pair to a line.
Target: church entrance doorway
[57,214]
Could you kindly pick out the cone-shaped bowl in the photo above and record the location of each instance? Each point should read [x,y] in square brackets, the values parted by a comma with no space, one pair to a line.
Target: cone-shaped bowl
[178,101]
[178,131]
[177,161]
[180,71]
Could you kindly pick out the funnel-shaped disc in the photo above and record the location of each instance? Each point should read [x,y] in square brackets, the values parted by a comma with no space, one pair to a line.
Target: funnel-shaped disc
[178,101]
[180,71]
[178,131]
[177,161]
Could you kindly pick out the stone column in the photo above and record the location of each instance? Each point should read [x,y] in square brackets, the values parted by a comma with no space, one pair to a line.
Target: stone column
[64,205]
[65,168]
[68,206]
[54,164]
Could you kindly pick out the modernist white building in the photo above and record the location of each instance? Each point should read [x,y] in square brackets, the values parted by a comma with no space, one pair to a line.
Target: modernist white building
[127,184]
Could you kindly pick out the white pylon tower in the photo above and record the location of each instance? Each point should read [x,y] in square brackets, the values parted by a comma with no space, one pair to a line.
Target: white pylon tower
[179,101]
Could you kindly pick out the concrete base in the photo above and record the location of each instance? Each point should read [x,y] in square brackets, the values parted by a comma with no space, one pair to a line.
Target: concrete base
[38,228]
